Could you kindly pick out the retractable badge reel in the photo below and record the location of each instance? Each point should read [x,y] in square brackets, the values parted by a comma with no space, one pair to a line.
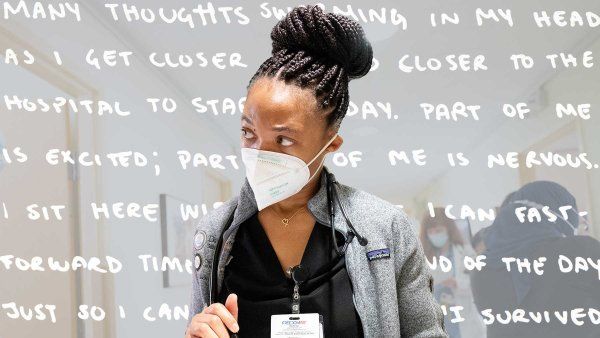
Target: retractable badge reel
[308,325]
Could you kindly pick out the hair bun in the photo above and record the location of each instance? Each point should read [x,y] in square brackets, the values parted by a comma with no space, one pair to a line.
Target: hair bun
[332,36]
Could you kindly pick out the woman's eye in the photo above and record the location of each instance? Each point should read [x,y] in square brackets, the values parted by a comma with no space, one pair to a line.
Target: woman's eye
[247,133]
[286,142]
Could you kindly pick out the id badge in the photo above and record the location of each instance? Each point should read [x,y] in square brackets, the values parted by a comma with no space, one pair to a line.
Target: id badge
[306,325]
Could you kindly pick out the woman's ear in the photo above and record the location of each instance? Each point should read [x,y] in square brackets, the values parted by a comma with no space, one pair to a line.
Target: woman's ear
[335,144]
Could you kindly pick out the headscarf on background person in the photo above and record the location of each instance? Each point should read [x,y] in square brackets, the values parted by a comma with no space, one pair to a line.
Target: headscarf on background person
[508,237]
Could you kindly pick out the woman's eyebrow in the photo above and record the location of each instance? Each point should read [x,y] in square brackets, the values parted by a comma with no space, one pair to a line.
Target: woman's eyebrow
[275,128]
[285,128]
[247,119]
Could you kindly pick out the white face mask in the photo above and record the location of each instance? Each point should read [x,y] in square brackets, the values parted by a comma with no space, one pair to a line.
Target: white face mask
[276,176]
[438,239]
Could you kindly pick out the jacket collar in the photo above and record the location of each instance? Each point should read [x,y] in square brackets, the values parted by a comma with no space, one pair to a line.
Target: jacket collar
[317,205]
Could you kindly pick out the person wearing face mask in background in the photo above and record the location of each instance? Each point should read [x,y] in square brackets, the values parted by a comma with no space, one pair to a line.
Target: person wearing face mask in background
[498,290]
[354,258]
[441,238]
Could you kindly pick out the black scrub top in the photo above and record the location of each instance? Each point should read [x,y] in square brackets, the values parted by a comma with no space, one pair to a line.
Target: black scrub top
[263,289]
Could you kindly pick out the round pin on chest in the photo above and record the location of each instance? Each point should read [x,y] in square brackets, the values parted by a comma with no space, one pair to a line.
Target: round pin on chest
[197,261]
[199,239]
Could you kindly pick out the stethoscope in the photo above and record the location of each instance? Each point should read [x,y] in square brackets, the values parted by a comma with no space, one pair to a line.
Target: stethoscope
[331,195]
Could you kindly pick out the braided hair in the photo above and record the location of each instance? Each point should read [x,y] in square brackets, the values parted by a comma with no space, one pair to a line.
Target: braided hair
[320,50]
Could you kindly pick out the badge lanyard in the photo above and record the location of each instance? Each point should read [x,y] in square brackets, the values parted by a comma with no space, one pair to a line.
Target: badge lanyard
[299,275]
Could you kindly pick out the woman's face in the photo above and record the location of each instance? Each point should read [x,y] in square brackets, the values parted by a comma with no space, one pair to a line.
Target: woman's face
[438,235]
[284,118]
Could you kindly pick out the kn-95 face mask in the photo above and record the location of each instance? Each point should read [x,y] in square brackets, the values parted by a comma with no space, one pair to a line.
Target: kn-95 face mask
[276,176]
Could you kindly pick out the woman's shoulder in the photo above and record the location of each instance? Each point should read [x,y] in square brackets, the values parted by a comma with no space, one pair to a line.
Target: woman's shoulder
[365,201]
[375,213]
[210,221]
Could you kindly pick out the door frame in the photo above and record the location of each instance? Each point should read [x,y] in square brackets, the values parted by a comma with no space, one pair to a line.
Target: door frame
[87,233]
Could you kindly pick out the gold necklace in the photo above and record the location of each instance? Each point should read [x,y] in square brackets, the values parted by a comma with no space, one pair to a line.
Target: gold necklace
[286,220]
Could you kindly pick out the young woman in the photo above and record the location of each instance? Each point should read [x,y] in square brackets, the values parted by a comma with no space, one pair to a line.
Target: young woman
[276,235]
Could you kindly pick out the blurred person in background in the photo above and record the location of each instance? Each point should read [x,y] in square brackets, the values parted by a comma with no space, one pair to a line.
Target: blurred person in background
[506,200]
[441,237]
[495,288]
[477,241]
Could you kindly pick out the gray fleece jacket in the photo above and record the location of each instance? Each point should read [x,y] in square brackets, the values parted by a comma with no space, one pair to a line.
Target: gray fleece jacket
[392,295]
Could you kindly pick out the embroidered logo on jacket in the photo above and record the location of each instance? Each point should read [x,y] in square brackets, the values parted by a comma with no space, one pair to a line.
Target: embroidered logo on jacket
[378,254]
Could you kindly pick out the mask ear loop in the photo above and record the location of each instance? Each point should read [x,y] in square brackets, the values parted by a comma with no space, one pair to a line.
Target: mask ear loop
[539,206]
[320,151]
